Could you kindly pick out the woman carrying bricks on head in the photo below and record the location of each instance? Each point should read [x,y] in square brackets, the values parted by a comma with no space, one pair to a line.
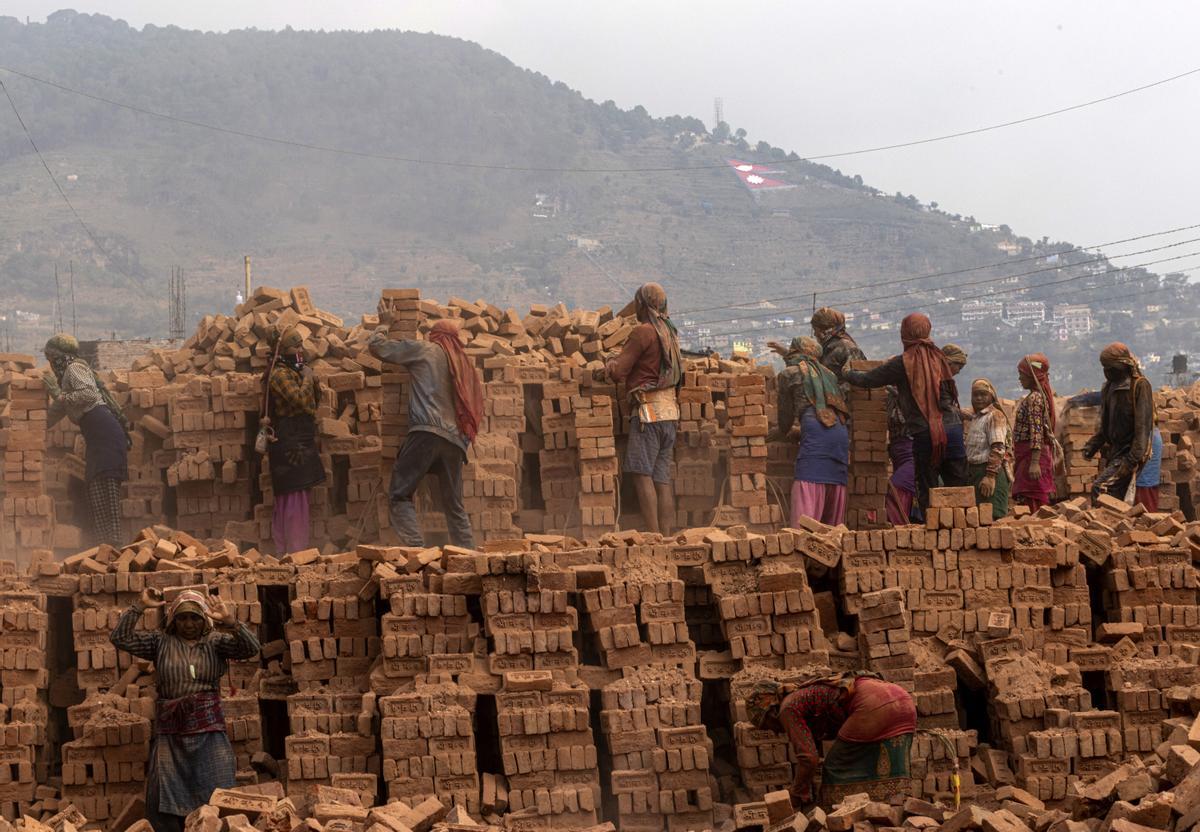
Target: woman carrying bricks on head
[190,754]
[810,394]
[1127,420]
[291,394]
[989,448]
[77,392]
[928,396]
[870,721]
[1034,425]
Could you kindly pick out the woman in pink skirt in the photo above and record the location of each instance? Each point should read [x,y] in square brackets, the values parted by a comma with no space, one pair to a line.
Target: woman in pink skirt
[1033,434]
[809,393]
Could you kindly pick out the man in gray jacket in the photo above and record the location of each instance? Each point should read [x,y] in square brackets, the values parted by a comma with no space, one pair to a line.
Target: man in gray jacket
[445,405]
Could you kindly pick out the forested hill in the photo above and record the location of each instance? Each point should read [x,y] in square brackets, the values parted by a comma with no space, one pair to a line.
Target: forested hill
[158,194]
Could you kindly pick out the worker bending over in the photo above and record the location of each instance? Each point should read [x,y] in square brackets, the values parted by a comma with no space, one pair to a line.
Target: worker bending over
[445,407]
[870,721]
[651,368]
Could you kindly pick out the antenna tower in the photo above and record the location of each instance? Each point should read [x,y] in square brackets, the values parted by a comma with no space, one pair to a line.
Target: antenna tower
[718,110]
[177,303]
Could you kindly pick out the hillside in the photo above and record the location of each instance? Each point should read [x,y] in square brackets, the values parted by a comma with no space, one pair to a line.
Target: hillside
[159,194]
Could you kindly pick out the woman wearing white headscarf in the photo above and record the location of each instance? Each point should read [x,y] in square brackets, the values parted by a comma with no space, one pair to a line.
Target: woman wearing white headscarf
[191,755]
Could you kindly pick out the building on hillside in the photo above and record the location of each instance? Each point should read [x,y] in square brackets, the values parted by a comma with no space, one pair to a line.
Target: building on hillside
[980,310]
[1018,311]
[1009,247]
[1076,318]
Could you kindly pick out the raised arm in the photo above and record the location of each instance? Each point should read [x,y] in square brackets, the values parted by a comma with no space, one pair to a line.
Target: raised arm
[239,643]
[140,643]
[395,352]
[890,372]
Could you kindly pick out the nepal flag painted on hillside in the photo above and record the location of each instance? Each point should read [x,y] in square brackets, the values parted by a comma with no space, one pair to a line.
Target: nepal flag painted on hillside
[753,178]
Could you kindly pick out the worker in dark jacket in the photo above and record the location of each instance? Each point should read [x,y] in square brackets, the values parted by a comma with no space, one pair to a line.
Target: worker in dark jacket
[1127,419]
[928,397]
[445,407]
[837,346]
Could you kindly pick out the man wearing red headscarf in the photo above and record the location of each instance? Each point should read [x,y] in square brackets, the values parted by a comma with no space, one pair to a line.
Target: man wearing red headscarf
[445,408]
[928,400]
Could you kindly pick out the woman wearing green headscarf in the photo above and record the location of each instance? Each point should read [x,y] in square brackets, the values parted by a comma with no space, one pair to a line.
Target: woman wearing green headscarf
[77,394]
[809,393]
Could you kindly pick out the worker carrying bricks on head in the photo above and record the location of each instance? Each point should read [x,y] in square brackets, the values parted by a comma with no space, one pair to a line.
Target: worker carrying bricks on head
[651,368]
[1127,418]
[445,407]
[870,721]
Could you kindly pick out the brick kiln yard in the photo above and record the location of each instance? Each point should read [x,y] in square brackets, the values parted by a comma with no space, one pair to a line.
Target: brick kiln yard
[568,674]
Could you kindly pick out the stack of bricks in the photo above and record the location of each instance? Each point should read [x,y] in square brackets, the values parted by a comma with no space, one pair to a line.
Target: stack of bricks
[492,475]
[884,630]
[936,757]
[1028,700]
[104,767]
[598,472]
[746,406]
[429,745]
[869,466]
[526,614]
[558,459]
[696,451]
[767,609]
[661,751]
[332,635]
[332,742]
[23,709]
[399,310]
[27,519]
[547,748]
[1153,592]
[425,631]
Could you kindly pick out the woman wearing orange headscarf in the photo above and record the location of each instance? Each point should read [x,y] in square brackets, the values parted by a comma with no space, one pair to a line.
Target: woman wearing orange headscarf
[1034,426]
[929,401]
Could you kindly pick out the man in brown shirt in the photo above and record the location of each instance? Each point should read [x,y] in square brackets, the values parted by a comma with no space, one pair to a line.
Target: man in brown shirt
[651,368]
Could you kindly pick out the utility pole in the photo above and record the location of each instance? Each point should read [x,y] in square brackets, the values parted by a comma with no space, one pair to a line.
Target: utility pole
[247,263]
[58,315]
[74,320]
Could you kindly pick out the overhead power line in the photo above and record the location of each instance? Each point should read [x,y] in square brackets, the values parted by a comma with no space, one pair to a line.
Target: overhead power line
[533,169]
[95,241]
[931,276]
[1047,284]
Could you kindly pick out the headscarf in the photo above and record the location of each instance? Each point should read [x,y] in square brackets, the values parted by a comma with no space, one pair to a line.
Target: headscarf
[987,387]
[831,323]
[1036,366]
[1117,355]
[926,368]
[651,299]
[820,385]
[60,351]
[289,348]
[955,355]
[764,696]
[188,601]
[468,389]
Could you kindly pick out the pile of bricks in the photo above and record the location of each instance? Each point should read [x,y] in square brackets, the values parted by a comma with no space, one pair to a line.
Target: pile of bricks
[661,751]
[429,745]
[23,707]
[27,519]
[332,742]
[869,461]
[333,636]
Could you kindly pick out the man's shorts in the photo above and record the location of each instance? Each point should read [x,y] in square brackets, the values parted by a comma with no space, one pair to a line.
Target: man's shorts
[649,450]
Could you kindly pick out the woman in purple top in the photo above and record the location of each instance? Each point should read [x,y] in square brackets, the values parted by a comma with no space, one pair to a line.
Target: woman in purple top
[809,392]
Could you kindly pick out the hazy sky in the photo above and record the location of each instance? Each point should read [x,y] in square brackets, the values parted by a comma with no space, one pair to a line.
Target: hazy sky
[821,77]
